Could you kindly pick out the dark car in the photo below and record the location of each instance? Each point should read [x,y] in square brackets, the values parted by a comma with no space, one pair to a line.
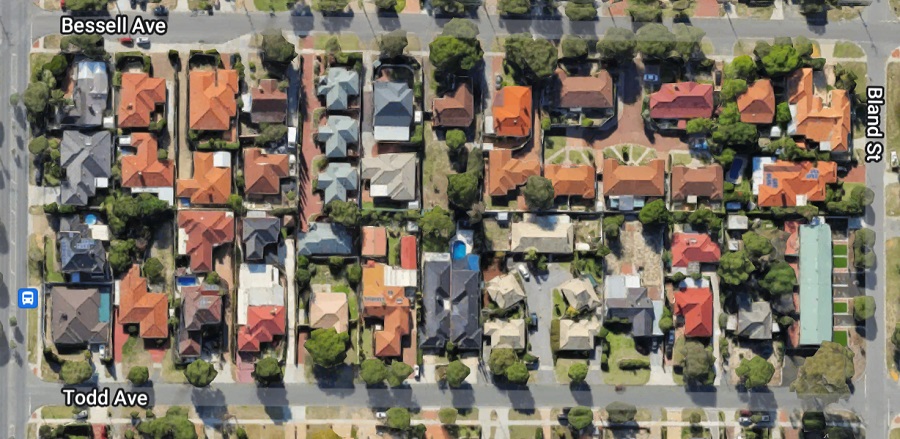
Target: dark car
[161,11]
[534,320]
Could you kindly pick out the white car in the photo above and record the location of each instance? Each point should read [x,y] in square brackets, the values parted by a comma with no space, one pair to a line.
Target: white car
[81,415]
[895,162]
[102,351]
[523,271]
[142,41]
[380,415]
[416,372]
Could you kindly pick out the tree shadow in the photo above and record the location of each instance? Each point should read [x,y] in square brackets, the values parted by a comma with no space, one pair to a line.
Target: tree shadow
[210,405]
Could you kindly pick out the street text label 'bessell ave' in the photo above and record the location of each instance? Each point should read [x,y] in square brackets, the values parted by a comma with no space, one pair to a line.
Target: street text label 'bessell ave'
[112,26]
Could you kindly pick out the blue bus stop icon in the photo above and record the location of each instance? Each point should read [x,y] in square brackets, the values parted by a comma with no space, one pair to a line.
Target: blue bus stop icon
[28,298]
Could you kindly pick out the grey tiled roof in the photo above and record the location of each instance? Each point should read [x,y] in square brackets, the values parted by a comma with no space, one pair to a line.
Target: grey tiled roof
[85,157]
[258,233]
[391,175]
[460,323]
[325,239]
[78,252]
[89,96]
[337,133]
[337,180]
[76,316]
[339,85]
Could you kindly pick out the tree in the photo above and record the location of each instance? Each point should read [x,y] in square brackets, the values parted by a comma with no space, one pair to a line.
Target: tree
[780,60]
[121,255]
[267,371]
[578,372]
[154,270]
[501,359]
[331,6]
[539,193]
[457,371]
[325,434]
[175,424]
[620,412]
[455,138]
[345,213]
[200,373]
[735,267]
[742,67]
[644,13]
[895,337]
[581,11]
[373,371]
[76,372]
[783,113]
[755,372]
[450,54]
[698,363]
[514,7]
[354,274]
[654,41]
[735,135]
[611,226]
[580,417]
[437,227]
[38,145]
[705,218]
[574,47]
[826,374]
[863,254]
[700,125]
[863,308]
[462,189]
[687,41]
[276,48]
[398,418]
[617,44]
[654,213]
[780,279]
[845,79]
[517,373]
[452,7]
[447,415]
[36,96]
[236,203]
[270,133]
[732,88]
[327,347]
[14,100]
[533,59]
[398,373]
[392,44]
[461,28]
[138,375]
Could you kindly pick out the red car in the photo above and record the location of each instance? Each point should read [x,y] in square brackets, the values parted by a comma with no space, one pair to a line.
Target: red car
[126,41]
[62,4]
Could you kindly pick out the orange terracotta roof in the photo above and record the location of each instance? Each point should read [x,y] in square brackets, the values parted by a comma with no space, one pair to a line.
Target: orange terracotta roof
[212,99]
[506,173]
[408,252]
[826,125]
[374,241]
[388,303]
[455,109]
[137,306]
[647,180]
[787,183]
[512,111]
[264,323]
[694,247]
[757,104]
[572,181]
[682,100]
[263,172]
[205,229]
[705,182]
[269,103]
[210,184]
[585,91]
[139,96]
[144,168]
[695,304]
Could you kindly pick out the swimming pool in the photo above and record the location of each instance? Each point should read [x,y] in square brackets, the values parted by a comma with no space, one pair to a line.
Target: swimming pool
[186,281]
[458,250]
[90,219]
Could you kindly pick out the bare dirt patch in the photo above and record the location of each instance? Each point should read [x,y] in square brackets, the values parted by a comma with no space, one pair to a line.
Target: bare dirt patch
[637,251]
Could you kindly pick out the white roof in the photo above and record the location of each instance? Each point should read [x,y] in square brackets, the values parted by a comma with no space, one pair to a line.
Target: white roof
[391,134]
[259,286]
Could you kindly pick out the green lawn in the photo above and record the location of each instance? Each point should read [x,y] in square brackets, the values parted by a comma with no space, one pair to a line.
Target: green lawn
[559,304]
[552,144]
[435,169]
[562,369]
[50,264]
[277,5]
[846,49]
[840,249]
[895,433]
[622,346]
[893,107]
[839,262]
[57,412]
[860,69]
[840,337]
[394,250]
[892,291]
[840,307]
[524,432]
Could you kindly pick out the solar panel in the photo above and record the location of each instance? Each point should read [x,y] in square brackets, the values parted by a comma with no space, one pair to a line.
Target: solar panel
[813,174]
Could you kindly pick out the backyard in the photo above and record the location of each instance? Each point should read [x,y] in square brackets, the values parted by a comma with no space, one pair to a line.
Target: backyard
[637,250]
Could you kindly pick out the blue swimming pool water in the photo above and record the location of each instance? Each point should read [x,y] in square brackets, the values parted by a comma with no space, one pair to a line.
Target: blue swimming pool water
[458,250]
[105,305]
[735,170]
[90,219]
[186,281]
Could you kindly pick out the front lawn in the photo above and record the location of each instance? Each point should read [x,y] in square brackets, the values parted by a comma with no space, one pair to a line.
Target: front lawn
[840,307]
[276,5]
[893,107]
[846,49]
[892,290]
[841,337]
[621,347]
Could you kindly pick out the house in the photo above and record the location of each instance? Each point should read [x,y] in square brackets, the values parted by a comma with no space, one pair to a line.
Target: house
[268,102]
[629,187]
[80,316]
[695,307]
[260,235]
[512,112]
[139,97]
[794,183]
[89,96]
[325,239]
[87,160]
[578,93]
[201,311]
[393,111]
[451,298]
[455,109]
[506,333]
[829,127]
[201,231]
[211,183]
[578,335]
[388,303]
[138,306]
[544,233]
[329,310]
[260,287]
[506,173]
[690,250]
[676,103]
[505,291]
[374,241]
[264,325]
[580,294]
[337,133]
[391,176]
[263,172]
[627,300]
[81,252]
[692,185]
[757,104]
[815,284]
[212,101]
[755,321]
[143,171]
[337,180]
[337,87]
[572,181]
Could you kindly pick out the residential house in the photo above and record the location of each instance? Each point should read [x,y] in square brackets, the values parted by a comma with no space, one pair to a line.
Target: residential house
[794,183]
[338,87]
[578,335]
[200,232]
[506,173]
[139,97]
[89,96]
[506,333]
[829,127]
[261,235]
[264,325]
[268,102]
[212,102]
[505,291]
[391,176]
[594,95]
[754,322]
[87,160]
[455,109]
[544,233]
[388,303]
[676,103]
[627,300]
[263,172]
[81,251]
[694,307]
[138,306]
[325,239]
[337,180]
[80,317]
[627,188]
[201,313]
[512,112]
[142,169]
[261,313]
[572,181]
[815,284]
[692,186]
[337,134]
[451,298]
[580,294]
[329,310]
[393,111]
[691,250]
[211,183]
[757,104]
[374,241]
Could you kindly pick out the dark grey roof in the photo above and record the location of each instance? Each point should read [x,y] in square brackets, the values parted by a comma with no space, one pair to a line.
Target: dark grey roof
[338,132]
[337,87]
[635,307]
[85,157]
[443,285]
[258,234]
[337,180]
[76,316]
[89,96]
[465,326]
[436,291]
[755,321]
[325,239]
[393,104]
[78,252]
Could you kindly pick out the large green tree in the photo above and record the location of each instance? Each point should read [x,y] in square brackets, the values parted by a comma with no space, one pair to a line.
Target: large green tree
[457,372]
[755,372]
[462,189]
[574,47]
[342,212]
[756,245]
[741,67]
[175,425]
[373,371]
[698,365]
[514,7]
[688,41]
[780,279]
[654,41]
[267,371]
[617,44]
[620,412]
[735,267]
[580,417]
[138,375]
[780,60]
[533,59]
[437,227]
[276,48]
[578,372]
[200,373]
[392,44]
[327,347]
[398,373]
[539,193]
[654,213]
[863,308]
[826,375]
[398,418]
[76,372]
[450,54]
[501,359]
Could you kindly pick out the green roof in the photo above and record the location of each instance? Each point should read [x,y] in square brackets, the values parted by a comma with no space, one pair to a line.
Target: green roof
[815,284]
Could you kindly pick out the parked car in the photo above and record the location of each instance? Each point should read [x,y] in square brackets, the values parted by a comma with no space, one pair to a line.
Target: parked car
[143,41]
[498,81]
[102,352]
[523,270]
[416,372]
[765,418]
[82,415]
[895,162]
[534,320]
[745,420]
[380,415]
[126,41]
[62,4]
[651,77]
[161,11]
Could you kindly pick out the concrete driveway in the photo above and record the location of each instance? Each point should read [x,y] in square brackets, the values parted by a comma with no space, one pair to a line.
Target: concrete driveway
[539,292]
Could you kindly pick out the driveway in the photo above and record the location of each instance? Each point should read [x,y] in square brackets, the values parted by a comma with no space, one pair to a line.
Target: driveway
[539,292]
